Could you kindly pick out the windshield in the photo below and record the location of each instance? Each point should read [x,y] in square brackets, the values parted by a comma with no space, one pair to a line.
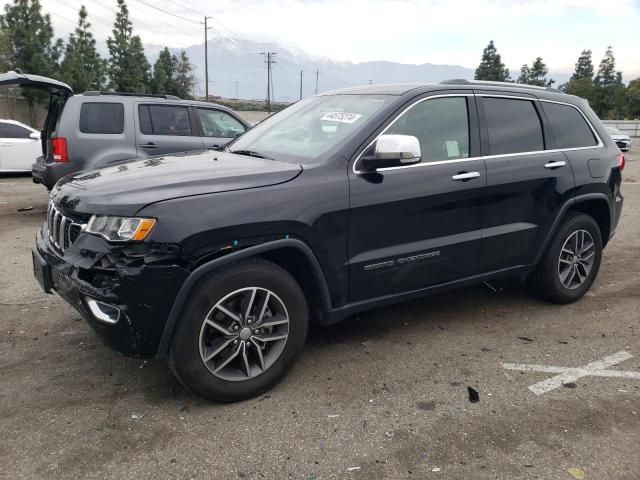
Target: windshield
[308,129]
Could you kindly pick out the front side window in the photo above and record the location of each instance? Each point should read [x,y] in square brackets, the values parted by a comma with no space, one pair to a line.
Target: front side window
[307,130]
[569,127]
[441,125]
[164,120]
[513,125]
[9,130]
[102,118]
[216,123]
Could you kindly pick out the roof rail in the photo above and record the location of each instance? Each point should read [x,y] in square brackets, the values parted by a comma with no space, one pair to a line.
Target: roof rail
[96,93]
[463,81]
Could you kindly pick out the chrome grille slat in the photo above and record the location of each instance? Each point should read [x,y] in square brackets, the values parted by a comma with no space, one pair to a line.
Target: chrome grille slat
[60,228]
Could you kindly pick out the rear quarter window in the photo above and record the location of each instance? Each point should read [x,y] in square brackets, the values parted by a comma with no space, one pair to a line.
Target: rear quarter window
[569,127]
[513,126]
[102,118]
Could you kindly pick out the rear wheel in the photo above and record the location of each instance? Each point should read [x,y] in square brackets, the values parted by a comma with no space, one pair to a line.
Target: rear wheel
[572,260]
[242,329]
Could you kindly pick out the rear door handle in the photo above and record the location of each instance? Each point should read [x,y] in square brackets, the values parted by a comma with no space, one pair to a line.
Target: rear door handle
[464,176]
[558,164]
[149,145]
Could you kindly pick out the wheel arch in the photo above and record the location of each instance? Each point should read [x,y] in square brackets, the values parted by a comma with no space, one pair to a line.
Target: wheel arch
[592,204]
[292,254]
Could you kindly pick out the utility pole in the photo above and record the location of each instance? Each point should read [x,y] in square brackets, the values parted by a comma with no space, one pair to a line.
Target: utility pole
[300,84]
[237,83]
[317,75]
[269,59]
[206,60]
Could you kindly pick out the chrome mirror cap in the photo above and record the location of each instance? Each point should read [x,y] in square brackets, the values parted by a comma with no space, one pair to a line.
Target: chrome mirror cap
[403,148]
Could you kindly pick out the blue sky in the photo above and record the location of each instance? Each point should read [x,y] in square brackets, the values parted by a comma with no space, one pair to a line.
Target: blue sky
[409,31]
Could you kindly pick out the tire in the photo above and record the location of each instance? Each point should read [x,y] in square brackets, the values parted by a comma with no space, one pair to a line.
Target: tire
[546,281]
[232,288]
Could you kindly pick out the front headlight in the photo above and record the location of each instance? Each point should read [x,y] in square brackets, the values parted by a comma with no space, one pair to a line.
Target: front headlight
[120,229]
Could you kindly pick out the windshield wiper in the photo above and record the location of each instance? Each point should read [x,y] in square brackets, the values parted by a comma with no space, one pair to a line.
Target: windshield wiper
[251,153]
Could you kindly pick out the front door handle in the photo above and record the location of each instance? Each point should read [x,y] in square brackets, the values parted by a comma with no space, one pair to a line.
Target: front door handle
[464,176]
[558,164]
[149,145]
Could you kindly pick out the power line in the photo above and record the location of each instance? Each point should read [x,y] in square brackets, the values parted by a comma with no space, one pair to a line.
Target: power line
[168,13]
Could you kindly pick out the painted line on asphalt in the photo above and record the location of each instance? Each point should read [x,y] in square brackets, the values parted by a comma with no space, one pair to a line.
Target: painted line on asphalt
[570,375]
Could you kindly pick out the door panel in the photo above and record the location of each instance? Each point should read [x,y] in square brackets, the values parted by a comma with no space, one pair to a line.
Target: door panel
[526,185]
[414,227]
[165,129]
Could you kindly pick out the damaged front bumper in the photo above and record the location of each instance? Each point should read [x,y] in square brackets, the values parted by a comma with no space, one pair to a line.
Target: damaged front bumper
[125,293]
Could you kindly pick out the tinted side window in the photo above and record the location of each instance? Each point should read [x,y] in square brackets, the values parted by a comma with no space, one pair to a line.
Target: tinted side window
[216,123]
[513,125]
[569,127]
[105,118]
[9,130]
[440,124]
[164,120]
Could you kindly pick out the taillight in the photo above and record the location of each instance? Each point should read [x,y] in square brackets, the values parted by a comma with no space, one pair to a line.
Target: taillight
[621,161]
[59,149]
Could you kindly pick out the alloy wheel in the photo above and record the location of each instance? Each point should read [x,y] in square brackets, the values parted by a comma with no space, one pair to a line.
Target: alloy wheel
[576,259]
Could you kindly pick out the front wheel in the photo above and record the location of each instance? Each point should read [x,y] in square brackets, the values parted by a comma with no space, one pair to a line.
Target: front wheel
[572,260]
[242,329]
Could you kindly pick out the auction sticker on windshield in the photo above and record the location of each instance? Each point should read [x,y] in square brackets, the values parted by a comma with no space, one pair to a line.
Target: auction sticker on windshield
[341,117]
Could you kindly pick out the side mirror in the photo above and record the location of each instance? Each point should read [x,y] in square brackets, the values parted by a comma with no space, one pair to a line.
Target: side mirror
[393,151]
[34,135]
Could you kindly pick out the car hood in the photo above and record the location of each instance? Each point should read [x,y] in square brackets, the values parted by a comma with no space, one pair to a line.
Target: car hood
[125,188]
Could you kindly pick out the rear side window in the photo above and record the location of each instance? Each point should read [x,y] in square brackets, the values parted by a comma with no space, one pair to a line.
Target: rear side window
[514,126]
[103,118]
[9,130]
[164,120]
[569,127]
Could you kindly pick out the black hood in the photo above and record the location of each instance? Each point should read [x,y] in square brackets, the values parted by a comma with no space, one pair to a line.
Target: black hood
[125,188]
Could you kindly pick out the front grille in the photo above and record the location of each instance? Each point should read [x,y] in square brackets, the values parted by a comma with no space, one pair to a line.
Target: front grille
[63,230]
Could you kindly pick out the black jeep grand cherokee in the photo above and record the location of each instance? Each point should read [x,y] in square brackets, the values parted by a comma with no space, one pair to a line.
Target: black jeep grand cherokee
[219,261]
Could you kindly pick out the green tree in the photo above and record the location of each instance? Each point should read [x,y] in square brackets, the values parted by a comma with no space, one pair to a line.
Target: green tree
[82,67]
[164,73]
[536,74]
[608,85]
[584,67]
[633,99]
[30,44]
[128,66]
[491,66]
[185,80]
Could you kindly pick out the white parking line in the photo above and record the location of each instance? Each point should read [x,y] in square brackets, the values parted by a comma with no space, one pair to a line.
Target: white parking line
[570,375]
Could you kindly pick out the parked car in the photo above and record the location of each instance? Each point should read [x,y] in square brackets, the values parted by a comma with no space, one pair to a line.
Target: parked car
[348,200]
[97,129]
[19,146]
[623,141]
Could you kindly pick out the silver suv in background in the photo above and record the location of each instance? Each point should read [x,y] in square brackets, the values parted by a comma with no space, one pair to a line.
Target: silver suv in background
[96,129]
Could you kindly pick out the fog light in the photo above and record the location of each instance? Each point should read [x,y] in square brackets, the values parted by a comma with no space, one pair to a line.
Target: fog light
[103,311]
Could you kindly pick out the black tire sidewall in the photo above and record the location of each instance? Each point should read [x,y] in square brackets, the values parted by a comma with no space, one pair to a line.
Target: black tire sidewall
[185,351]
[558,291]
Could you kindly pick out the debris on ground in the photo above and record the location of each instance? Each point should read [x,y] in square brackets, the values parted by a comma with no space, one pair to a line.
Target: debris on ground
[333,416]
[351,469]
[526,339]
[435,469]
[577,473]
[26,209]
[137,416]
[474,396]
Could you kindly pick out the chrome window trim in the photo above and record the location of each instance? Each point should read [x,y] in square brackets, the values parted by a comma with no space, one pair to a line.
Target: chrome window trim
[481,157]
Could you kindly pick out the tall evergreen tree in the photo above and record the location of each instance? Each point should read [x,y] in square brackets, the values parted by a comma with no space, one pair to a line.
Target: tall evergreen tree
[164,73]
[185,79]
[536,74]
[128,66]
[491,66]
[31,49]
[633,99]
[584,66]
[82,67]
[606,83]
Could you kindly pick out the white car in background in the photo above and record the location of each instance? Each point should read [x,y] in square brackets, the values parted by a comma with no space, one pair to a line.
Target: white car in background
[623,141]
[19,146]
